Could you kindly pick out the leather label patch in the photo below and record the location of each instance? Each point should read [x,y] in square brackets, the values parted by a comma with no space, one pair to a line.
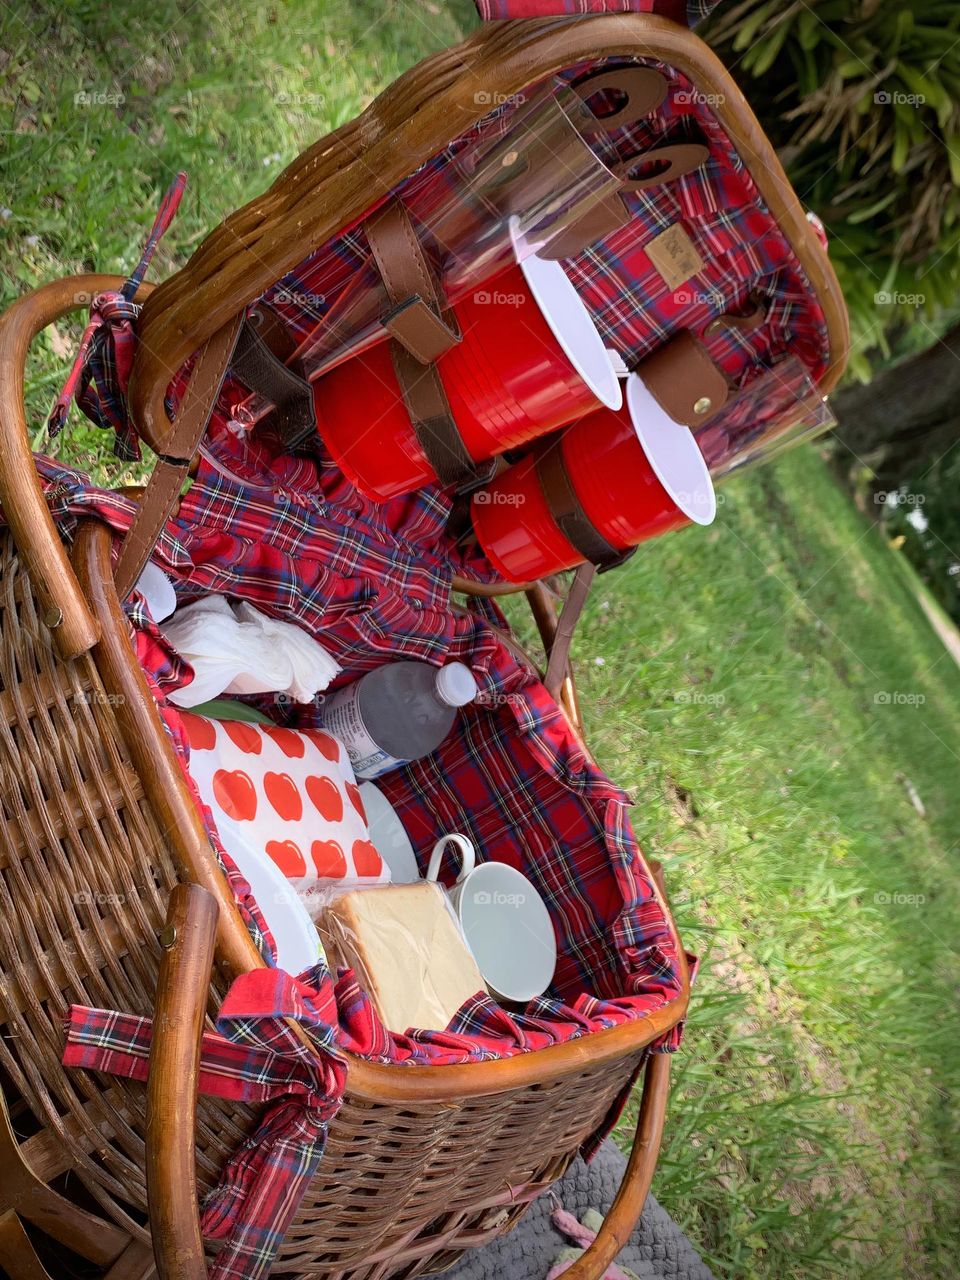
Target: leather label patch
[675,256]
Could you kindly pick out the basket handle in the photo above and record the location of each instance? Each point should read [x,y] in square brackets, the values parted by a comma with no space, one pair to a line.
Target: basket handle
[65,611]
[182,986]
[626,1209]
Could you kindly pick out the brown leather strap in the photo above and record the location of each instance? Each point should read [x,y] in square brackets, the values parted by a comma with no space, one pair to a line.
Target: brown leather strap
[399,256]
[745,322]
[421,331]
[260,366]
[559,654]
[429,410]
[159,499]
[163,487]
[418,319]
[572,520]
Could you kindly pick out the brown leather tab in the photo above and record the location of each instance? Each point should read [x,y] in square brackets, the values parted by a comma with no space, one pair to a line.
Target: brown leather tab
[671,160]
[426,403]
[416,326]
[605,217]
[684,381]
[163,487]
[643,88]
[572,520]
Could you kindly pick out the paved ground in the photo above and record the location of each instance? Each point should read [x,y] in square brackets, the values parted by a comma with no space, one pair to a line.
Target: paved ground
[657,1249]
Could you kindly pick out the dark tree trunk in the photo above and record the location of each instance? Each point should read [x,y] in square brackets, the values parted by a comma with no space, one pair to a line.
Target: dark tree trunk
[907,417]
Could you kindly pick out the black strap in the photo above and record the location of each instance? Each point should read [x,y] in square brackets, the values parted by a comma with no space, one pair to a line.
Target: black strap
[572,520]
[422,329]
[426,402]
[265,373]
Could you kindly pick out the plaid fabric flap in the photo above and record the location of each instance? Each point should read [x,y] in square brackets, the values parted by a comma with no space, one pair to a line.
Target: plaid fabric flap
[255,1058]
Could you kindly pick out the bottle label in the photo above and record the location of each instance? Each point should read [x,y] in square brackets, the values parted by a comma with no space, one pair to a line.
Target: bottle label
[342,718]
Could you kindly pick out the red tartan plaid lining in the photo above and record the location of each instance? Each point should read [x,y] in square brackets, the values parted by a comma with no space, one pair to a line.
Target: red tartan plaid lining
[250,526]
[512,775]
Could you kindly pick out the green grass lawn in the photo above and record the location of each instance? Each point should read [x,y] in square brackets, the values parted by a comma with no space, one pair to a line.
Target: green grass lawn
[773,697]
[769,689]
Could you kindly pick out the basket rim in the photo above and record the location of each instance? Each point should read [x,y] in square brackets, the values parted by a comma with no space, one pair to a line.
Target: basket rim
[400,130]
[166,789]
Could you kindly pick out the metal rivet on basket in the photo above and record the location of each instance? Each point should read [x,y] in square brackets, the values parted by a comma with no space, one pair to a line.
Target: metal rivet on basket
[168,936]
[53,617]
[703,405]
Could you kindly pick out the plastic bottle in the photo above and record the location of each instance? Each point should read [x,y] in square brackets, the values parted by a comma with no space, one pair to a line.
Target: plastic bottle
[398,713]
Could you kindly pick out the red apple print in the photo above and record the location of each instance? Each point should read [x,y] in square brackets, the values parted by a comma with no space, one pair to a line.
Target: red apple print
[356,800]
[201,732]
[288,858]
[283,795]
[289,742]
[245,736]
[328,747]
[329,859]
[366,859]
[235,794]
[326,797]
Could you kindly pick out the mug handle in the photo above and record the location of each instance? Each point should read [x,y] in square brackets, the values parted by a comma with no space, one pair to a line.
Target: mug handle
[468,856]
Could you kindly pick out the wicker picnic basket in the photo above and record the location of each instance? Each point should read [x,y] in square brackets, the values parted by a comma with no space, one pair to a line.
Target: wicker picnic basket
[110,894]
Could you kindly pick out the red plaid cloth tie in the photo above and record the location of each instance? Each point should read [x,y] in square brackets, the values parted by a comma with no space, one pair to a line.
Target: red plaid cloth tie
[262,1061]
[116,313]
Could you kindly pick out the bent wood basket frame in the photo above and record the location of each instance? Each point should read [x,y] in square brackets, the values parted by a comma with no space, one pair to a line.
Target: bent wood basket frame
[100,840]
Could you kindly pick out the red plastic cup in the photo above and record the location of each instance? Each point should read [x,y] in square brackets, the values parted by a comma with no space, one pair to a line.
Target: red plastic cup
[636,473]
[530,360]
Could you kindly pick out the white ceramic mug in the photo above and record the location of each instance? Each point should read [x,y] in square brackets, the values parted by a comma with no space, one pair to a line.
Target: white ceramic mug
[504,920]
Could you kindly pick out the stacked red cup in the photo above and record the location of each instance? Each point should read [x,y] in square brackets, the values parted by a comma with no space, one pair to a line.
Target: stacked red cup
[634,474]
[530,360]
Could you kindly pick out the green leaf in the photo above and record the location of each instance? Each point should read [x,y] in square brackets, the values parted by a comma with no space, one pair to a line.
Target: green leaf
[767,50]
[953,152]
[752,24]
[901,150]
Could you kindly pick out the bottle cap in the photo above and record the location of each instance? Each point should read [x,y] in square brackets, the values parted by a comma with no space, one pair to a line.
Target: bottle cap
[456,685]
